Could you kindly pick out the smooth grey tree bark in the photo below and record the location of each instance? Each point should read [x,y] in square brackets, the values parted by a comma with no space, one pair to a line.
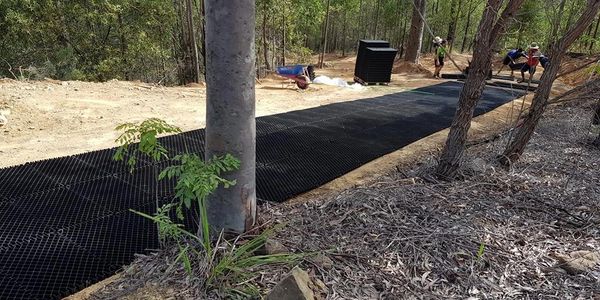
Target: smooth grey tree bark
[230,109]
[415,37]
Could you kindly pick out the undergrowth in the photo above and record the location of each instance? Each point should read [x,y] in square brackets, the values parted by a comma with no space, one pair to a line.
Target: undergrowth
[226,265]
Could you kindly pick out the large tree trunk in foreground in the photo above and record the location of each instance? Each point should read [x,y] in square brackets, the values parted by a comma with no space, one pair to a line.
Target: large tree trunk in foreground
[488,33]
[540,100]
[417,25]
[230,109]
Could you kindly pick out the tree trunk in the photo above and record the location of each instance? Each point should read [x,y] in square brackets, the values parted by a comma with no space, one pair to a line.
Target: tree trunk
[123,42]
[376,19]
[344,35]
[191,68]
[417,25]
[192,40]
[595,35]
[264,36]
[283,29]
[454,13]
[556,24]
[488,33]
[324,40]
[517,146]
[469,13]
[230,110]
[203,35]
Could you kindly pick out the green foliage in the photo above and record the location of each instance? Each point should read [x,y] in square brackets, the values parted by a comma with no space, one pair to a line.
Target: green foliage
[99,40]
[229,264]
[145,134]
[481,250]
[196,180]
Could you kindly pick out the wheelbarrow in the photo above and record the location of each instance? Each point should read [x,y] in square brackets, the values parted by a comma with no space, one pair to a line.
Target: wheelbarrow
[300,74]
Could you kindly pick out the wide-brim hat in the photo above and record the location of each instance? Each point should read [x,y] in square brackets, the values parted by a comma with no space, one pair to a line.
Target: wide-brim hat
[534,46]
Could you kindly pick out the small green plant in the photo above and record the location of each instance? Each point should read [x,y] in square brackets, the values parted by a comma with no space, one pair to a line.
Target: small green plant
[481,251]
[229,264]
[145,134]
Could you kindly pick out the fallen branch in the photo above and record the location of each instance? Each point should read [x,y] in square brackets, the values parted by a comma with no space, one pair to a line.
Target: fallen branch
[10,69]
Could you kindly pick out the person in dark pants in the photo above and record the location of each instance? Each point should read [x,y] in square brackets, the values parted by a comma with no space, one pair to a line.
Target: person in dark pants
[510,60]
[544,61]
[533,59]
[440,54]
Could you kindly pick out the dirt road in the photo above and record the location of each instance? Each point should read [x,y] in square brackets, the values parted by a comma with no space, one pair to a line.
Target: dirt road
[49,118]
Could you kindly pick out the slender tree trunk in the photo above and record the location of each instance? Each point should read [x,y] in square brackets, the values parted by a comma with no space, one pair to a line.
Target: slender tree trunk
[556,25]
[230,110]
[344,34]
[586,44]
[469,13]
[264,36]
[570,17]
[203,35]
[324,40]
[283,29]
[595,35]
[193,46]
[454,13]
[415,37]
[376,19]
[123,42]
[540,100]
[487,34]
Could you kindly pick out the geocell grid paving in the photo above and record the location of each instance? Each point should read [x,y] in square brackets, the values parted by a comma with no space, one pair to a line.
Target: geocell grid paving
[65,222]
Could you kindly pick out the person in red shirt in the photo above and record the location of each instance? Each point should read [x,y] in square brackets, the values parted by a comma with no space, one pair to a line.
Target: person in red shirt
[533,59]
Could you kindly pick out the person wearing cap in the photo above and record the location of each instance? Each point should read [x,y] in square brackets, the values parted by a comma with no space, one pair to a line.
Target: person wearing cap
[533,59]
[510,58]
[440,54]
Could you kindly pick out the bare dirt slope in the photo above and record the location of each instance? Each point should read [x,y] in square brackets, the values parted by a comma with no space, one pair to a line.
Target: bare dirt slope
[51,119]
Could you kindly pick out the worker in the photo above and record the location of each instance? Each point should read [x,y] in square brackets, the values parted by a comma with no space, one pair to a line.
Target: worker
[533,59]
[510,60]
[440,54]
[544,61]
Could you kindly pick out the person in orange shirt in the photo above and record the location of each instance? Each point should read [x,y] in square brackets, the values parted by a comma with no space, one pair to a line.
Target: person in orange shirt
[533,59]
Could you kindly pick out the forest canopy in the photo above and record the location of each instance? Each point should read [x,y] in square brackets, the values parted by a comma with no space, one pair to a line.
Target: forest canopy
[162,41]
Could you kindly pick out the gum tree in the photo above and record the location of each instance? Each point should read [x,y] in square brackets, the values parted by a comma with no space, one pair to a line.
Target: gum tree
[230,109]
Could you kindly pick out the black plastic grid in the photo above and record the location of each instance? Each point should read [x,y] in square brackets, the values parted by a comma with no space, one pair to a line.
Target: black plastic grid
[66,170]
[115,239]
[66,222]
[146,180]
[22,180]
[48,268]
[112,194]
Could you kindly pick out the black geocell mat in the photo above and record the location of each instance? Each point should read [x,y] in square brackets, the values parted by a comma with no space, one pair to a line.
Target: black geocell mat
[66,222]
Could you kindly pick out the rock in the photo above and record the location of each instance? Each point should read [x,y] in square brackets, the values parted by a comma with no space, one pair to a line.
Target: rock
[578,262]
[295,286]
[271,247]
[322,261]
